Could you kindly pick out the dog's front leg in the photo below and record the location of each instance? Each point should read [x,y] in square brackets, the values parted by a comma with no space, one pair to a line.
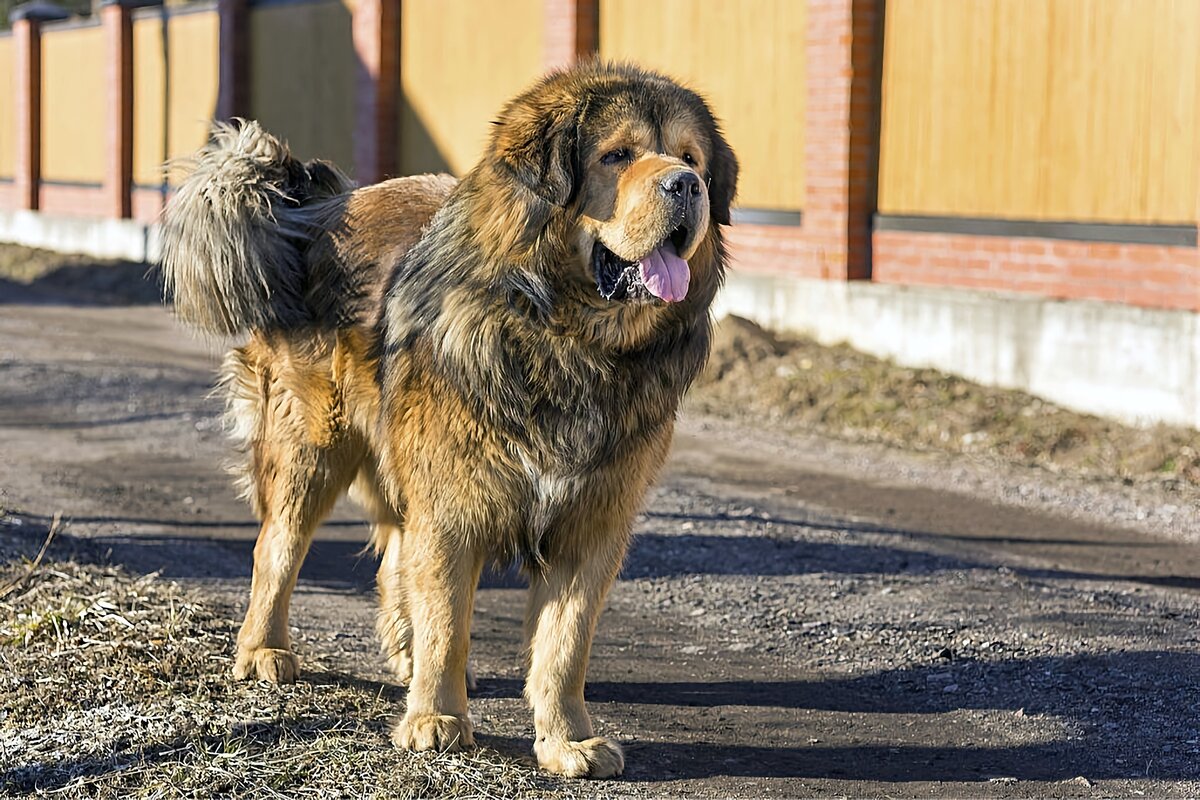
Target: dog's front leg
[441,571]
[565,600]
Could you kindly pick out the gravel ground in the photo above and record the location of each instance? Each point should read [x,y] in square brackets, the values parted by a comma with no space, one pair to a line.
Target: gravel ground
[801,615]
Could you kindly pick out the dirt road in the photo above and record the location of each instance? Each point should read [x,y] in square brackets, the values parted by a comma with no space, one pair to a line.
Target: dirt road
[798,616]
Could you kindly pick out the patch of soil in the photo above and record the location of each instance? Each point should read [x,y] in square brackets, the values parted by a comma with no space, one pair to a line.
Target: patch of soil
[29,275]
[117,685]
[757,376]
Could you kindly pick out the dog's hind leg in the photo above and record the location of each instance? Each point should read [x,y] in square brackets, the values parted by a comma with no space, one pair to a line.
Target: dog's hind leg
[297,489]
[394,624]
[302,459]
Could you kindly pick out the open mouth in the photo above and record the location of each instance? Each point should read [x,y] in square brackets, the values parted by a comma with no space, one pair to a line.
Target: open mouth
[660,273]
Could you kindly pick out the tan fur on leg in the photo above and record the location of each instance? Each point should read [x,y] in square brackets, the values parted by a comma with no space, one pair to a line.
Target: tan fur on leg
[565,600]
[264,644]
[564,604]
[440,578]
[393,624]
[301,461]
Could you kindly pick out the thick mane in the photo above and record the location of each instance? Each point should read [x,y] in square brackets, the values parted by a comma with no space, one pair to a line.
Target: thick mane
[476,317]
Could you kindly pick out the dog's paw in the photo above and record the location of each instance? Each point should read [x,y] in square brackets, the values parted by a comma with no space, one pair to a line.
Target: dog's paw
[433,732]
[592,758]
[268,664]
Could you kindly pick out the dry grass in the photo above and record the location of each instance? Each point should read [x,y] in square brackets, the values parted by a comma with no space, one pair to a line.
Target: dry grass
[837,391]
[118,686]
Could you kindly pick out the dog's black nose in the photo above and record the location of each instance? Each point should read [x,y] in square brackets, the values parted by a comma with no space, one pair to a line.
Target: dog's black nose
[683,185]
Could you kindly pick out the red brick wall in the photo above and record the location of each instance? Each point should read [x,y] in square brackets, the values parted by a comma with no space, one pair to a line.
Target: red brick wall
[376,29]
[833,241]
[571,28]
[27,71]
[1137,274]
[840,155]
[118,178]
[147,205]
[75,201]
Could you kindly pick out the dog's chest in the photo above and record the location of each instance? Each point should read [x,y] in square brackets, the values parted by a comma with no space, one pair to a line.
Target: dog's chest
[550,493]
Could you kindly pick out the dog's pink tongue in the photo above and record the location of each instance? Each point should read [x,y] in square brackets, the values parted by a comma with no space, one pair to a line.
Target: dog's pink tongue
[665,274]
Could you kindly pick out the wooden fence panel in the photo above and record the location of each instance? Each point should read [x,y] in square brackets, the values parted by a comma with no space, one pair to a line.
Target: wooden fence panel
[748,59]
[302,73]
[74,103]
[460,60]
[1042,109]
[149,100]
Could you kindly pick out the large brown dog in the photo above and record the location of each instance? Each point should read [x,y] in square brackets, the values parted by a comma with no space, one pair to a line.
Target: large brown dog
[503,388]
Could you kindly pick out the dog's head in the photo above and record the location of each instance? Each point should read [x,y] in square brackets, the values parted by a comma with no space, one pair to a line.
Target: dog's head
[622,177]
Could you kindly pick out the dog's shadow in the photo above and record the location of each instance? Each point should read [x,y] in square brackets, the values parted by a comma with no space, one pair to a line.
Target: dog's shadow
[1128,715]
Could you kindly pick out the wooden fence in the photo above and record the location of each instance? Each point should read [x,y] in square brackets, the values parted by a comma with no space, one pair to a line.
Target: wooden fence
[917,141]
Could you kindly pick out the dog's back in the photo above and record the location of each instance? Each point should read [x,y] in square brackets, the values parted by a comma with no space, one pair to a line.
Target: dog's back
[256,240]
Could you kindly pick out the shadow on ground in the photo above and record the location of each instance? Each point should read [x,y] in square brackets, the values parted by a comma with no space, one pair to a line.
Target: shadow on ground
[87,283]
[1091,690]
[1102,696]
[345,562]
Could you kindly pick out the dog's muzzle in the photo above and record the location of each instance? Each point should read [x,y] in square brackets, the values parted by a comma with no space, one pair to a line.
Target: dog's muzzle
[681,189]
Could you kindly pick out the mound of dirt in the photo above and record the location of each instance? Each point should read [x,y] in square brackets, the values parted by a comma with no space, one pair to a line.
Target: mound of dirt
[794,382]
[32,275]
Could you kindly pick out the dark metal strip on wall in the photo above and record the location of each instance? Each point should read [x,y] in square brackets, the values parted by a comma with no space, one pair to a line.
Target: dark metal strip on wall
[766,216]
[1116,233]
[268,3]
[159,11]
[71,184]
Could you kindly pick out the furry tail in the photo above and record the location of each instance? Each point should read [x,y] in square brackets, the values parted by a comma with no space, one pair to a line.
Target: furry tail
[236,232]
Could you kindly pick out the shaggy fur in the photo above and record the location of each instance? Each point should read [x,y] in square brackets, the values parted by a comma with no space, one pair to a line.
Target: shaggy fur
[488,391]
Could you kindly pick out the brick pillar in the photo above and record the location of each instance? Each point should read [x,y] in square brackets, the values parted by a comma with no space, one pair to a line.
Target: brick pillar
[233,83]
[27,46]
[118,172]
[845,60]
[572,31]
[377,44]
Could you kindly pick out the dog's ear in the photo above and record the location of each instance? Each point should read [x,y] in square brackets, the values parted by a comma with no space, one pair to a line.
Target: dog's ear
[537,145]
[722,179]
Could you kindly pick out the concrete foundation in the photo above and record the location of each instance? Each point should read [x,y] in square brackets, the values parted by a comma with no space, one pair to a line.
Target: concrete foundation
[91,236]
[1138,365]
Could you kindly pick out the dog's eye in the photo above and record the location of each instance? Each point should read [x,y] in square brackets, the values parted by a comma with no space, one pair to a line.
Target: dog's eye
[615,156]
[689,160]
